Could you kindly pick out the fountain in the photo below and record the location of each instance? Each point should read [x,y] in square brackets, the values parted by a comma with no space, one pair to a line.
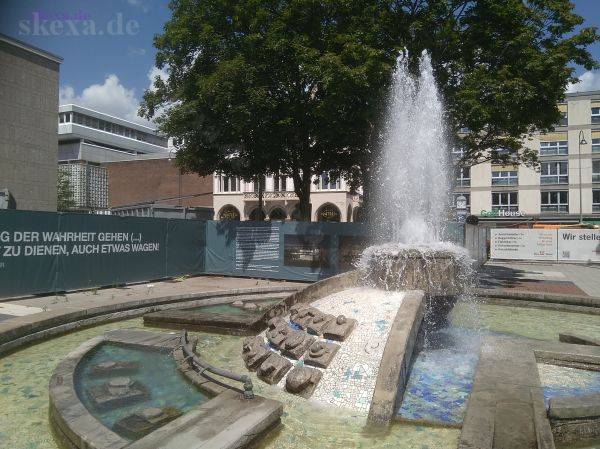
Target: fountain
[411,201]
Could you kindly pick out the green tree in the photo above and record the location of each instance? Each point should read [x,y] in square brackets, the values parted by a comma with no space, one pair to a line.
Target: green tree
[298,86]
[258,87]
[65,200]
[502,65]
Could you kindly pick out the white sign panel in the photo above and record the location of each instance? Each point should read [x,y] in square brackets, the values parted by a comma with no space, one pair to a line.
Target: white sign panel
[579,244]
[523,244]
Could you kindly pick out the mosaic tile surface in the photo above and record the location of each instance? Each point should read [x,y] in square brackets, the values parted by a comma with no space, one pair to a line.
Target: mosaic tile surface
[560,381]
[349,381]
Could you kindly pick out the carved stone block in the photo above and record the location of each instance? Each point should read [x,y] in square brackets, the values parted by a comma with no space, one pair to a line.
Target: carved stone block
[339,329]
[318,323]
[117,392]
[303,315]
[278,331]
[303,381]
[273,369]
[254,352]
[321,354]
[112,368]
[296,344]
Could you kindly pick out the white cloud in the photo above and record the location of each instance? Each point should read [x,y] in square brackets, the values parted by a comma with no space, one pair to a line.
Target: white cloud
[139,4]
[134,51]
[110,97]
[588,81]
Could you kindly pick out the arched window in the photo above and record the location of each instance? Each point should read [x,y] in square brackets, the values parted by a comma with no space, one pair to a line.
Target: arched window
[329,212]
[295,216]
[278,214]
[255,217]
[229,213]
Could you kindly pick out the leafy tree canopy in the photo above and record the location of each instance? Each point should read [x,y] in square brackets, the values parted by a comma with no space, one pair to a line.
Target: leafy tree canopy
[298,86]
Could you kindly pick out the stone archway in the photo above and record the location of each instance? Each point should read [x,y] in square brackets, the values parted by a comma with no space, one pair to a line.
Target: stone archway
[229,213]
[253,216]
[277,214]
[329,212]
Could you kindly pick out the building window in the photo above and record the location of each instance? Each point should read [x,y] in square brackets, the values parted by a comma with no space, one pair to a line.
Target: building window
[328,182]
[329,212]
[230,184]
[564,119]
[505,178]
[279,183]
[596,201]
[555,172]
[466,195]
[555,148]
[595,145]
[553,201]
[229,213]
[596,115]
[458,152]
[61,117]
[596,170]
[506,201]
[263,183]
[463,176]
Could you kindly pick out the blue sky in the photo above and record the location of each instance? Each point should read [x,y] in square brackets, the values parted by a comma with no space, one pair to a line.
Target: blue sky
[109,62]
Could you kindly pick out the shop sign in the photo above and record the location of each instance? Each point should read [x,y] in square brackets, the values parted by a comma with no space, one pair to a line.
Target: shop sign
[501,213]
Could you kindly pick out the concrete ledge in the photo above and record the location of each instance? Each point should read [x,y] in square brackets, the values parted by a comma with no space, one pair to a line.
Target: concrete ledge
[575,418]
[574,300]
[25,329]
[393,369]
[226,422]
[578,339]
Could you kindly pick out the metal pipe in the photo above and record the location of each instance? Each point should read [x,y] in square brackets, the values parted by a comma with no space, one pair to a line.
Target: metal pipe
[205,366]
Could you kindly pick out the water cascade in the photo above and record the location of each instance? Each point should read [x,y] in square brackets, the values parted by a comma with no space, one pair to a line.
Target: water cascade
[412,199]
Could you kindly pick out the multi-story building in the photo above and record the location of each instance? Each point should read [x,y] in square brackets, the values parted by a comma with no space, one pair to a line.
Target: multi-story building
[28,147]
[87,139]
[563,189]
[331,200]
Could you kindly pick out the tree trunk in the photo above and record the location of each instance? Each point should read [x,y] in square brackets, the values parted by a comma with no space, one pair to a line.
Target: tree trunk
[260,198]
[302,184]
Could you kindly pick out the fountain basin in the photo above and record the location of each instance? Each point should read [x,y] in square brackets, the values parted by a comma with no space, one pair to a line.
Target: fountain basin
[438,270]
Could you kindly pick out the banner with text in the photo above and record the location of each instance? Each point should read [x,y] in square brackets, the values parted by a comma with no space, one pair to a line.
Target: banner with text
[48,252]
[523,244]
[546,244]
[580,244]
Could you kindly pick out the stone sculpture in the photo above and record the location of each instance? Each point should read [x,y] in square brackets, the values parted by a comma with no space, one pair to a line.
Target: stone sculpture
[303,381]
[113,367]
[277,331]
[296,344]
[339,329]
[318,323]
[321,354]
[254,352]
[302,315]
[117,392]
[273,369]
[139,424]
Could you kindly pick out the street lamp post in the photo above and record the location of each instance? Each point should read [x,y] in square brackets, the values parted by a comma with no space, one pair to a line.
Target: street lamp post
[582,141]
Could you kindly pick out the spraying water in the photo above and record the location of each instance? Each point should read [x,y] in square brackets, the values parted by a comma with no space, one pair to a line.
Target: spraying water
[413,192]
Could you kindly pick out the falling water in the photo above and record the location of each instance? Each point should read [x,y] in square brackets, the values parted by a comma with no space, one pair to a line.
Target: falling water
[413,190]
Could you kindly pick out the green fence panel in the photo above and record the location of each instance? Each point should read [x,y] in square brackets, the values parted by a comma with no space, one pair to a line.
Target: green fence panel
[27,263]
[117,250]
[186,244]
[220,247]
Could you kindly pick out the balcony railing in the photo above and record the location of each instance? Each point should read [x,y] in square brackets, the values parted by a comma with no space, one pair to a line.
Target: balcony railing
[271,196]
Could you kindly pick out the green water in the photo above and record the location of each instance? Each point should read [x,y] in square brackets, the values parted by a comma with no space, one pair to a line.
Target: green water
[153,368]
[24,379]
[228,309]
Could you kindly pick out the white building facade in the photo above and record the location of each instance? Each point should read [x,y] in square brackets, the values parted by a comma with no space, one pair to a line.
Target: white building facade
[331,200]
[88,138]
[566,186]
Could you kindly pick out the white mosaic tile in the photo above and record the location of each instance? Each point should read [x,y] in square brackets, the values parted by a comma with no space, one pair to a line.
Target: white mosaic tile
[349,381]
